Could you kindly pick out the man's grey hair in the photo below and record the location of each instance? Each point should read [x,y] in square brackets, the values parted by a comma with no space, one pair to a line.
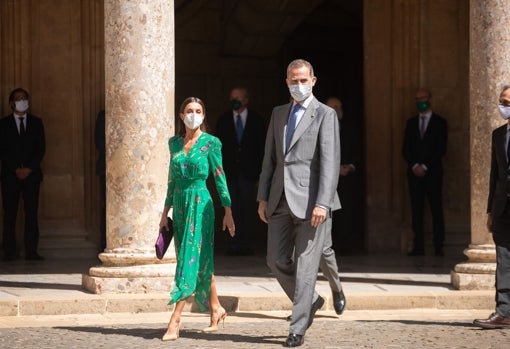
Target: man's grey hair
[298,63]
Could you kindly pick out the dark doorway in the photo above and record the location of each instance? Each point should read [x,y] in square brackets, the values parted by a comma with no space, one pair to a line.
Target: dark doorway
[331,38]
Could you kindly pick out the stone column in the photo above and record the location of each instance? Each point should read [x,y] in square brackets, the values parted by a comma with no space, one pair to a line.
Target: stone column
[139,84]
[489,67]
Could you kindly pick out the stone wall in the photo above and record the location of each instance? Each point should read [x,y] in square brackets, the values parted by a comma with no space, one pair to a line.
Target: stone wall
[54,48]
[412,44]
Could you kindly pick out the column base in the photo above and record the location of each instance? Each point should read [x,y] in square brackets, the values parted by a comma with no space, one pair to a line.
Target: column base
[100,285]
[478,273]
[130,273]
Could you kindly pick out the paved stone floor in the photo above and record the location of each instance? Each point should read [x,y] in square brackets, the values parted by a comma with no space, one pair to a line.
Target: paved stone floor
[416,329]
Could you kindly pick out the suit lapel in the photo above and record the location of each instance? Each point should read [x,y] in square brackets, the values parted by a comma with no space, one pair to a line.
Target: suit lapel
[502,141]
[281,121]
[304,123]
[13,126]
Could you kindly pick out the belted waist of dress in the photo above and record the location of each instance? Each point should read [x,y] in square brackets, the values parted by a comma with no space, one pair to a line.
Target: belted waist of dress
[191,182]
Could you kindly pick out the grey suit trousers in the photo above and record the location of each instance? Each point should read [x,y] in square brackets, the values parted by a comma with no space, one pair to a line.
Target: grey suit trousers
[328,264]
[288,236]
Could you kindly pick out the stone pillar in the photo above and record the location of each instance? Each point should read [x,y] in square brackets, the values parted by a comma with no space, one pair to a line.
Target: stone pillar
[139,84]
[489,67]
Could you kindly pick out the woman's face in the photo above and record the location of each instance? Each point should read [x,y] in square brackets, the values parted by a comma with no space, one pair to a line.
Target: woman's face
[192,108]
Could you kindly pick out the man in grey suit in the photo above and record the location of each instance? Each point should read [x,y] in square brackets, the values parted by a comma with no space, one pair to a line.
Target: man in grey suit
[296,193]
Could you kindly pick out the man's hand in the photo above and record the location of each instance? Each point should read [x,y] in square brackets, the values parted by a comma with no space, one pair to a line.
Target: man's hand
[262,211]
[346,169]
[318,216]
[489,223]
[23,172]
[419,171]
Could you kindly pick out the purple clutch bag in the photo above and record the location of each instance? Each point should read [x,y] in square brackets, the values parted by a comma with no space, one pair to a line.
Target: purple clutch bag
[163,241]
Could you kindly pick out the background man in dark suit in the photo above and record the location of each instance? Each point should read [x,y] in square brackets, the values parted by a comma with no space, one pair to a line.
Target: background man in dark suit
[22,147]
[498,218]
[242,133]
[424,146]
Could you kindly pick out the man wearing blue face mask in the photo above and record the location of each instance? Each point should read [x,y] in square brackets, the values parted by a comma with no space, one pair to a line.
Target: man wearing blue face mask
[424,146]
[498,215]
[22,147]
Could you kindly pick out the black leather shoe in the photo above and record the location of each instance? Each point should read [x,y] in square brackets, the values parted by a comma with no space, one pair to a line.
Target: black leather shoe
[416,253]
[34,257]
[294,340]
[494,321]
[315,306]
[339,302]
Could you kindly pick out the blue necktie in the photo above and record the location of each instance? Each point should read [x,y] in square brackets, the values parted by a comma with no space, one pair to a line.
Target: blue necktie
[291,125]
[239,128]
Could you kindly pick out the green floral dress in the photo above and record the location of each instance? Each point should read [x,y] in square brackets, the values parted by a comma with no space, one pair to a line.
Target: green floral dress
[193,214]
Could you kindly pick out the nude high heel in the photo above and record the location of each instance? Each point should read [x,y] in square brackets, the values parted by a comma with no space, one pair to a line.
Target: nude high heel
[218,316]
[171,336]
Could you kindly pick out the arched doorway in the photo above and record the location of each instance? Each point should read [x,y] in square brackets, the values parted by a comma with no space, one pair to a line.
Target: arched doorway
[221,45]
[331,38]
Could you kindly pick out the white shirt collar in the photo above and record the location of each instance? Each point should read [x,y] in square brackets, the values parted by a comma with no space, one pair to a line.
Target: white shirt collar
[304,103]
[244,115]
[427,114]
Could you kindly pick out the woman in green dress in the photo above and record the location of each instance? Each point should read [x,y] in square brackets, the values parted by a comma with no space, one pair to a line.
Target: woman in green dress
[193,155]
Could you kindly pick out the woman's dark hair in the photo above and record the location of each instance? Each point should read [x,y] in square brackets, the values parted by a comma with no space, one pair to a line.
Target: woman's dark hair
[182,128]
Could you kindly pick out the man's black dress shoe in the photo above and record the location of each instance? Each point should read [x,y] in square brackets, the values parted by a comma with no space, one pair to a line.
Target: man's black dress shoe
[294,340]
[34,257]
[416,253]
[339,302]
[494,321]
[315,306]
[9,258]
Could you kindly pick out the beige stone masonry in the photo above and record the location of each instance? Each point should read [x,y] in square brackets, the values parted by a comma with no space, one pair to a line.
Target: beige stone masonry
[139,84]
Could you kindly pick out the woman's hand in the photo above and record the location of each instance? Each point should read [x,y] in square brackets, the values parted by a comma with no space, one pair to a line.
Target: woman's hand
[228,222]
[164,219]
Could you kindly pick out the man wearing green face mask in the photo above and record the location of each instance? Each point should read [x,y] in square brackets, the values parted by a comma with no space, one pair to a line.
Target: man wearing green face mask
[424,146]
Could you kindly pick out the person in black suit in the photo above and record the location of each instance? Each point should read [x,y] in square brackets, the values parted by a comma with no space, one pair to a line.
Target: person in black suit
[242,133]
[498,215]
[100,142]
[22,147]
[424,146]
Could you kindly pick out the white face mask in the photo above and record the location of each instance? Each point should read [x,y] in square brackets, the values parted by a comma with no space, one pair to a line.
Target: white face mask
[504,111]
[300,92]
[193,121]
[21,105]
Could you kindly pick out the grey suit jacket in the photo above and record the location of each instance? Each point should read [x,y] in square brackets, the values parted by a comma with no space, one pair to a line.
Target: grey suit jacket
[308,173]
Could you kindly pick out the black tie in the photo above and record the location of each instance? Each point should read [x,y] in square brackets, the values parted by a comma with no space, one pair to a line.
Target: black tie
[422,126]
[21,127]
[239,128]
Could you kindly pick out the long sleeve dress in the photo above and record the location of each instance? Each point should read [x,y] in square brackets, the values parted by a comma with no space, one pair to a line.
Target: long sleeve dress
[193,214]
